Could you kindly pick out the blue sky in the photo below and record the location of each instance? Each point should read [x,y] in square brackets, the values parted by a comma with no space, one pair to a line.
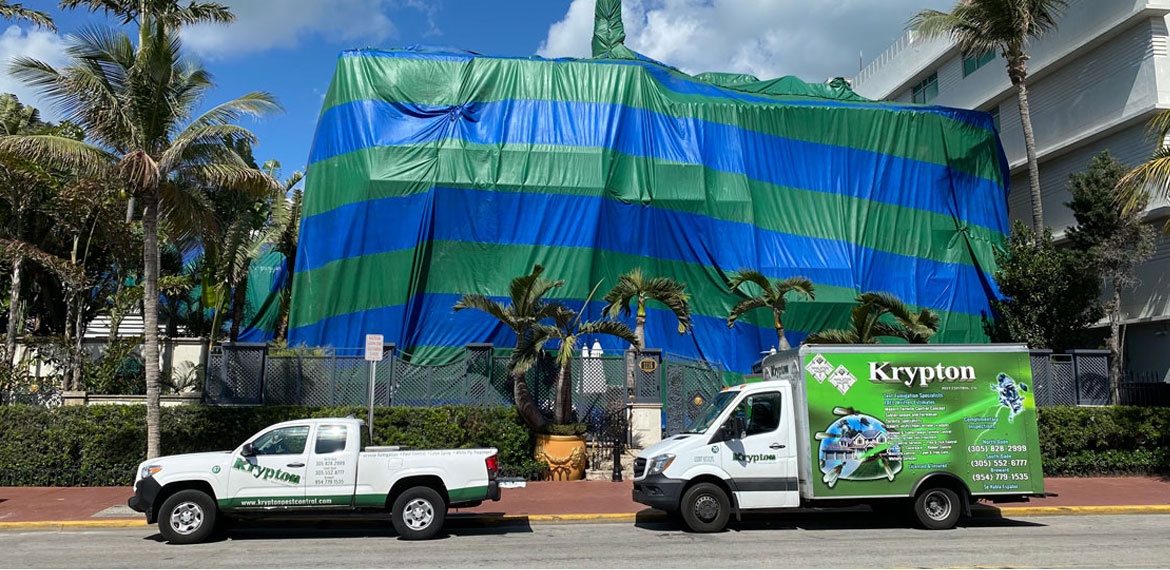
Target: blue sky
[289,47]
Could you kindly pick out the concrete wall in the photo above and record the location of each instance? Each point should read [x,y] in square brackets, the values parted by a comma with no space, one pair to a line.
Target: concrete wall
[176,353]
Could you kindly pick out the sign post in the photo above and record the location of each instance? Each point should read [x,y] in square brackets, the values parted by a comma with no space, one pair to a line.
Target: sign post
[373,355]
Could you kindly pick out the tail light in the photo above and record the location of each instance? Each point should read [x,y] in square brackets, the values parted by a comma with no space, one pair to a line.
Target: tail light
[493,466]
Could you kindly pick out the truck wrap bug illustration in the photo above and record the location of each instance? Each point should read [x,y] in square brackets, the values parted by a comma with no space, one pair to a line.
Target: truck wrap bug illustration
[1011,394]
[857,447]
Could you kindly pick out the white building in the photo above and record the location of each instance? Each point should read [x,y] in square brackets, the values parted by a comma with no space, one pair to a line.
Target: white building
[1093,84]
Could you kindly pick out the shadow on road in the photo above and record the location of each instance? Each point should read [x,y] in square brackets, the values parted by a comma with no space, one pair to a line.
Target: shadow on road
[275,529]
[835,519]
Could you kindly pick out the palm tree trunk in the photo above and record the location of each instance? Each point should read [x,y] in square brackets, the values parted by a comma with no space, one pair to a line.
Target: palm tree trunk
[13,312]
[525,405]
[564,402]
[150,259]
[781,341]
[1114,344]
[1018,74]
[79,331]
[239,299]
[640,325]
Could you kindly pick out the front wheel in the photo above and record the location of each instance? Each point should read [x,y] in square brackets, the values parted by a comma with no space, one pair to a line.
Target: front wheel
[187,517]
[705,508]
[937,508]
[418,513]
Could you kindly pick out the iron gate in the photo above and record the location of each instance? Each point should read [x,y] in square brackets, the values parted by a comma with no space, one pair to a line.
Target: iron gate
[687,385]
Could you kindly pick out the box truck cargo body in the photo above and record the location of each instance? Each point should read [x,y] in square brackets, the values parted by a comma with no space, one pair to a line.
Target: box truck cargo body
[923,427]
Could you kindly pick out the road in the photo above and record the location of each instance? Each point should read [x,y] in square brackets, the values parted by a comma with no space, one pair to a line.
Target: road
[816,540]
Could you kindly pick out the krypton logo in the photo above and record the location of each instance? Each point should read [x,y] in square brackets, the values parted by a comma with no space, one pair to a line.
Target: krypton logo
[267,473]
[754,458]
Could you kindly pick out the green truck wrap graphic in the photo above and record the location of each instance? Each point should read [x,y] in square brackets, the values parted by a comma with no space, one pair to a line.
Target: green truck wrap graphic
[879,422]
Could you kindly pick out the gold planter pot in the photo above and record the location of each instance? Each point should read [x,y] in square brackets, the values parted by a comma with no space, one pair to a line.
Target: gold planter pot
[565,455]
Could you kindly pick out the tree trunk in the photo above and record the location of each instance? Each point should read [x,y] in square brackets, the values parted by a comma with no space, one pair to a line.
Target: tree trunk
[79,331]
[525,405]
[781,341]
[1018,74]
[563,407]
[150,262]
[1114,344]
[640,326]
[13,312]
[239,299]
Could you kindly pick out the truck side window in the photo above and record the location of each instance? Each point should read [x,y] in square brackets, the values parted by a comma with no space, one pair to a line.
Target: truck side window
[330,439]
[282,441]
[762,412]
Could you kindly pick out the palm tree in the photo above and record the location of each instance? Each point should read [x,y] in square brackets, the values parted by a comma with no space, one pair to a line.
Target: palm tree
[867,326]
[568,329]
[773,295]
[1004,26]
[133,102]
[285,224]
[19,12]
[526,308]
[635,286]
[1150,180]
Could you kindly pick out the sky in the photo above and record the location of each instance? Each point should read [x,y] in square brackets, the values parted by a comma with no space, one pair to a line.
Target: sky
[289,47]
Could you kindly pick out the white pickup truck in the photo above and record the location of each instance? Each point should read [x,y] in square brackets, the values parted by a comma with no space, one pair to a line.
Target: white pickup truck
[314,466]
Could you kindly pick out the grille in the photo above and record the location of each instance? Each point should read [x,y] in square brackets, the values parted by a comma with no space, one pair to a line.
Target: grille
[639,467]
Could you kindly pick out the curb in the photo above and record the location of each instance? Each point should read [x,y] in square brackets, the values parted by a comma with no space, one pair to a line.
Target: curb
[474,520]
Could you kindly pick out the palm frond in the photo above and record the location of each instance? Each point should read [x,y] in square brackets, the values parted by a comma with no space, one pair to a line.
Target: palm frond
[745,305]
[256,104]
[1148,181]
[59,152]
[802,286]
[745,275]
[486,305]
[607,327]
[834,336]
[19,12]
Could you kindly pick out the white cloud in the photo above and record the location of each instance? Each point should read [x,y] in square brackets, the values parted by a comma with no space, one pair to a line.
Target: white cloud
[260,26]
[813,40]
[38,44]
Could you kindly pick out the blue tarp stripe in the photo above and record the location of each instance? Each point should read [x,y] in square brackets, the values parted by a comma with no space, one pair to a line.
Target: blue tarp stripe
[444,327]
[481,216]
[902,182]
[690,86]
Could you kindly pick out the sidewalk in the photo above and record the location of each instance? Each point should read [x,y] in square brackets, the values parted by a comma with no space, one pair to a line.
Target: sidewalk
[29,507]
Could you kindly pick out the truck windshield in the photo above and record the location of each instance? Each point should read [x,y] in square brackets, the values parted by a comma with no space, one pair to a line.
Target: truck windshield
[711,412]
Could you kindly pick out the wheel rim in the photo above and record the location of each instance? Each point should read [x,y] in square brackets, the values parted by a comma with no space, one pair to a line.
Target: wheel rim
[186,518]
[418,514]
[706,508]
[937,505]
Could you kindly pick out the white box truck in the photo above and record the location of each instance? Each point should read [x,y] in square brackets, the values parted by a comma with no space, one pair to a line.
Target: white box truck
[924,427]
[313,466]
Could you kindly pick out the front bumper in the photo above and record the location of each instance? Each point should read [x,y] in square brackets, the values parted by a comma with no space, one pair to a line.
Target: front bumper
[659,491]
[145,492]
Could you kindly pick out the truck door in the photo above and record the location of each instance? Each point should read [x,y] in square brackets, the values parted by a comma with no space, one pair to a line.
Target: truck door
[762,464]
[274,475]
[333,466]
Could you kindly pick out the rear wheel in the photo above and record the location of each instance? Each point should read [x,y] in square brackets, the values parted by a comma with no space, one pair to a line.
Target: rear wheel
[705,508]
[938,508]
[187,517]
[418,513]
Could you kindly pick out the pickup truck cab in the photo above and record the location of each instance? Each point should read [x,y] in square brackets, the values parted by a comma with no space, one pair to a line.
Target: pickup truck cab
[312,466]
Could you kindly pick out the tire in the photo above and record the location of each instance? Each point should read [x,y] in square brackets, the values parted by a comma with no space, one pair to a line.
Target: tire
[418,513]
[187,517]
[705,508]
[938,508]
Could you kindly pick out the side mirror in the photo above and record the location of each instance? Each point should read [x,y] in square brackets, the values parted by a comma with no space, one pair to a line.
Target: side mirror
[248,450]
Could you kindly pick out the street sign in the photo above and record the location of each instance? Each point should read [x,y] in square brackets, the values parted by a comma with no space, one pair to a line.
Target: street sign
[374,347]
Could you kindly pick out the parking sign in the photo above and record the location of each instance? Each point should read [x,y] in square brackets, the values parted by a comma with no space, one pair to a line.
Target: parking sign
[374,347]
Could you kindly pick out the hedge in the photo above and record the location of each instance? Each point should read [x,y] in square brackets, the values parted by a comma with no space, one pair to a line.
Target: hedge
[102,445]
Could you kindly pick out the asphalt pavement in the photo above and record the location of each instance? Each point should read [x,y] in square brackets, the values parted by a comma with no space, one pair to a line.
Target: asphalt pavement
[789,541]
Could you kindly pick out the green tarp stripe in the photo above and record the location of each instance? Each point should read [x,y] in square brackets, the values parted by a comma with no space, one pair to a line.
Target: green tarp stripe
[386,172]
[456,83]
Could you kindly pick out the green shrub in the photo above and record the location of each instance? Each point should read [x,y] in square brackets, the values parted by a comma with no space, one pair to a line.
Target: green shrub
[101,445]
[1119,440]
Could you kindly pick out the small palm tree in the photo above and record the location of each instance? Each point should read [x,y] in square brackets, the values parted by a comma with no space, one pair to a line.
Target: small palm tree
[568,329]
[526,308]
[19,12]
[1004,26]
[867,326]
[773,295]
[636,286]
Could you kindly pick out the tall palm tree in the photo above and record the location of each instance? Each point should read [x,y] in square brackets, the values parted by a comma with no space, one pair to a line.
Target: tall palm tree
[636,286]
[867,326]
[1150,180]
[526,308]
[19,12]
[284,225]
[1004,26]
[773,295]
[567,328]
[135,103]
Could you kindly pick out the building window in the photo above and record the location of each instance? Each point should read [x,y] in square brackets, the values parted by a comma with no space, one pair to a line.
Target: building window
[971,62]
[995,117]
[926,91]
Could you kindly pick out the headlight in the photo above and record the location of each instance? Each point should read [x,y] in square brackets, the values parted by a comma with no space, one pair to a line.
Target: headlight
[148,471]
[660,463]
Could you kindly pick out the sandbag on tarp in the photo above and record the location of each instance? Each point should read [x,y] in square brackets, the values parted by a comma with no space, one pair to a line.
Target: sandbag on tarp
[435,174]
